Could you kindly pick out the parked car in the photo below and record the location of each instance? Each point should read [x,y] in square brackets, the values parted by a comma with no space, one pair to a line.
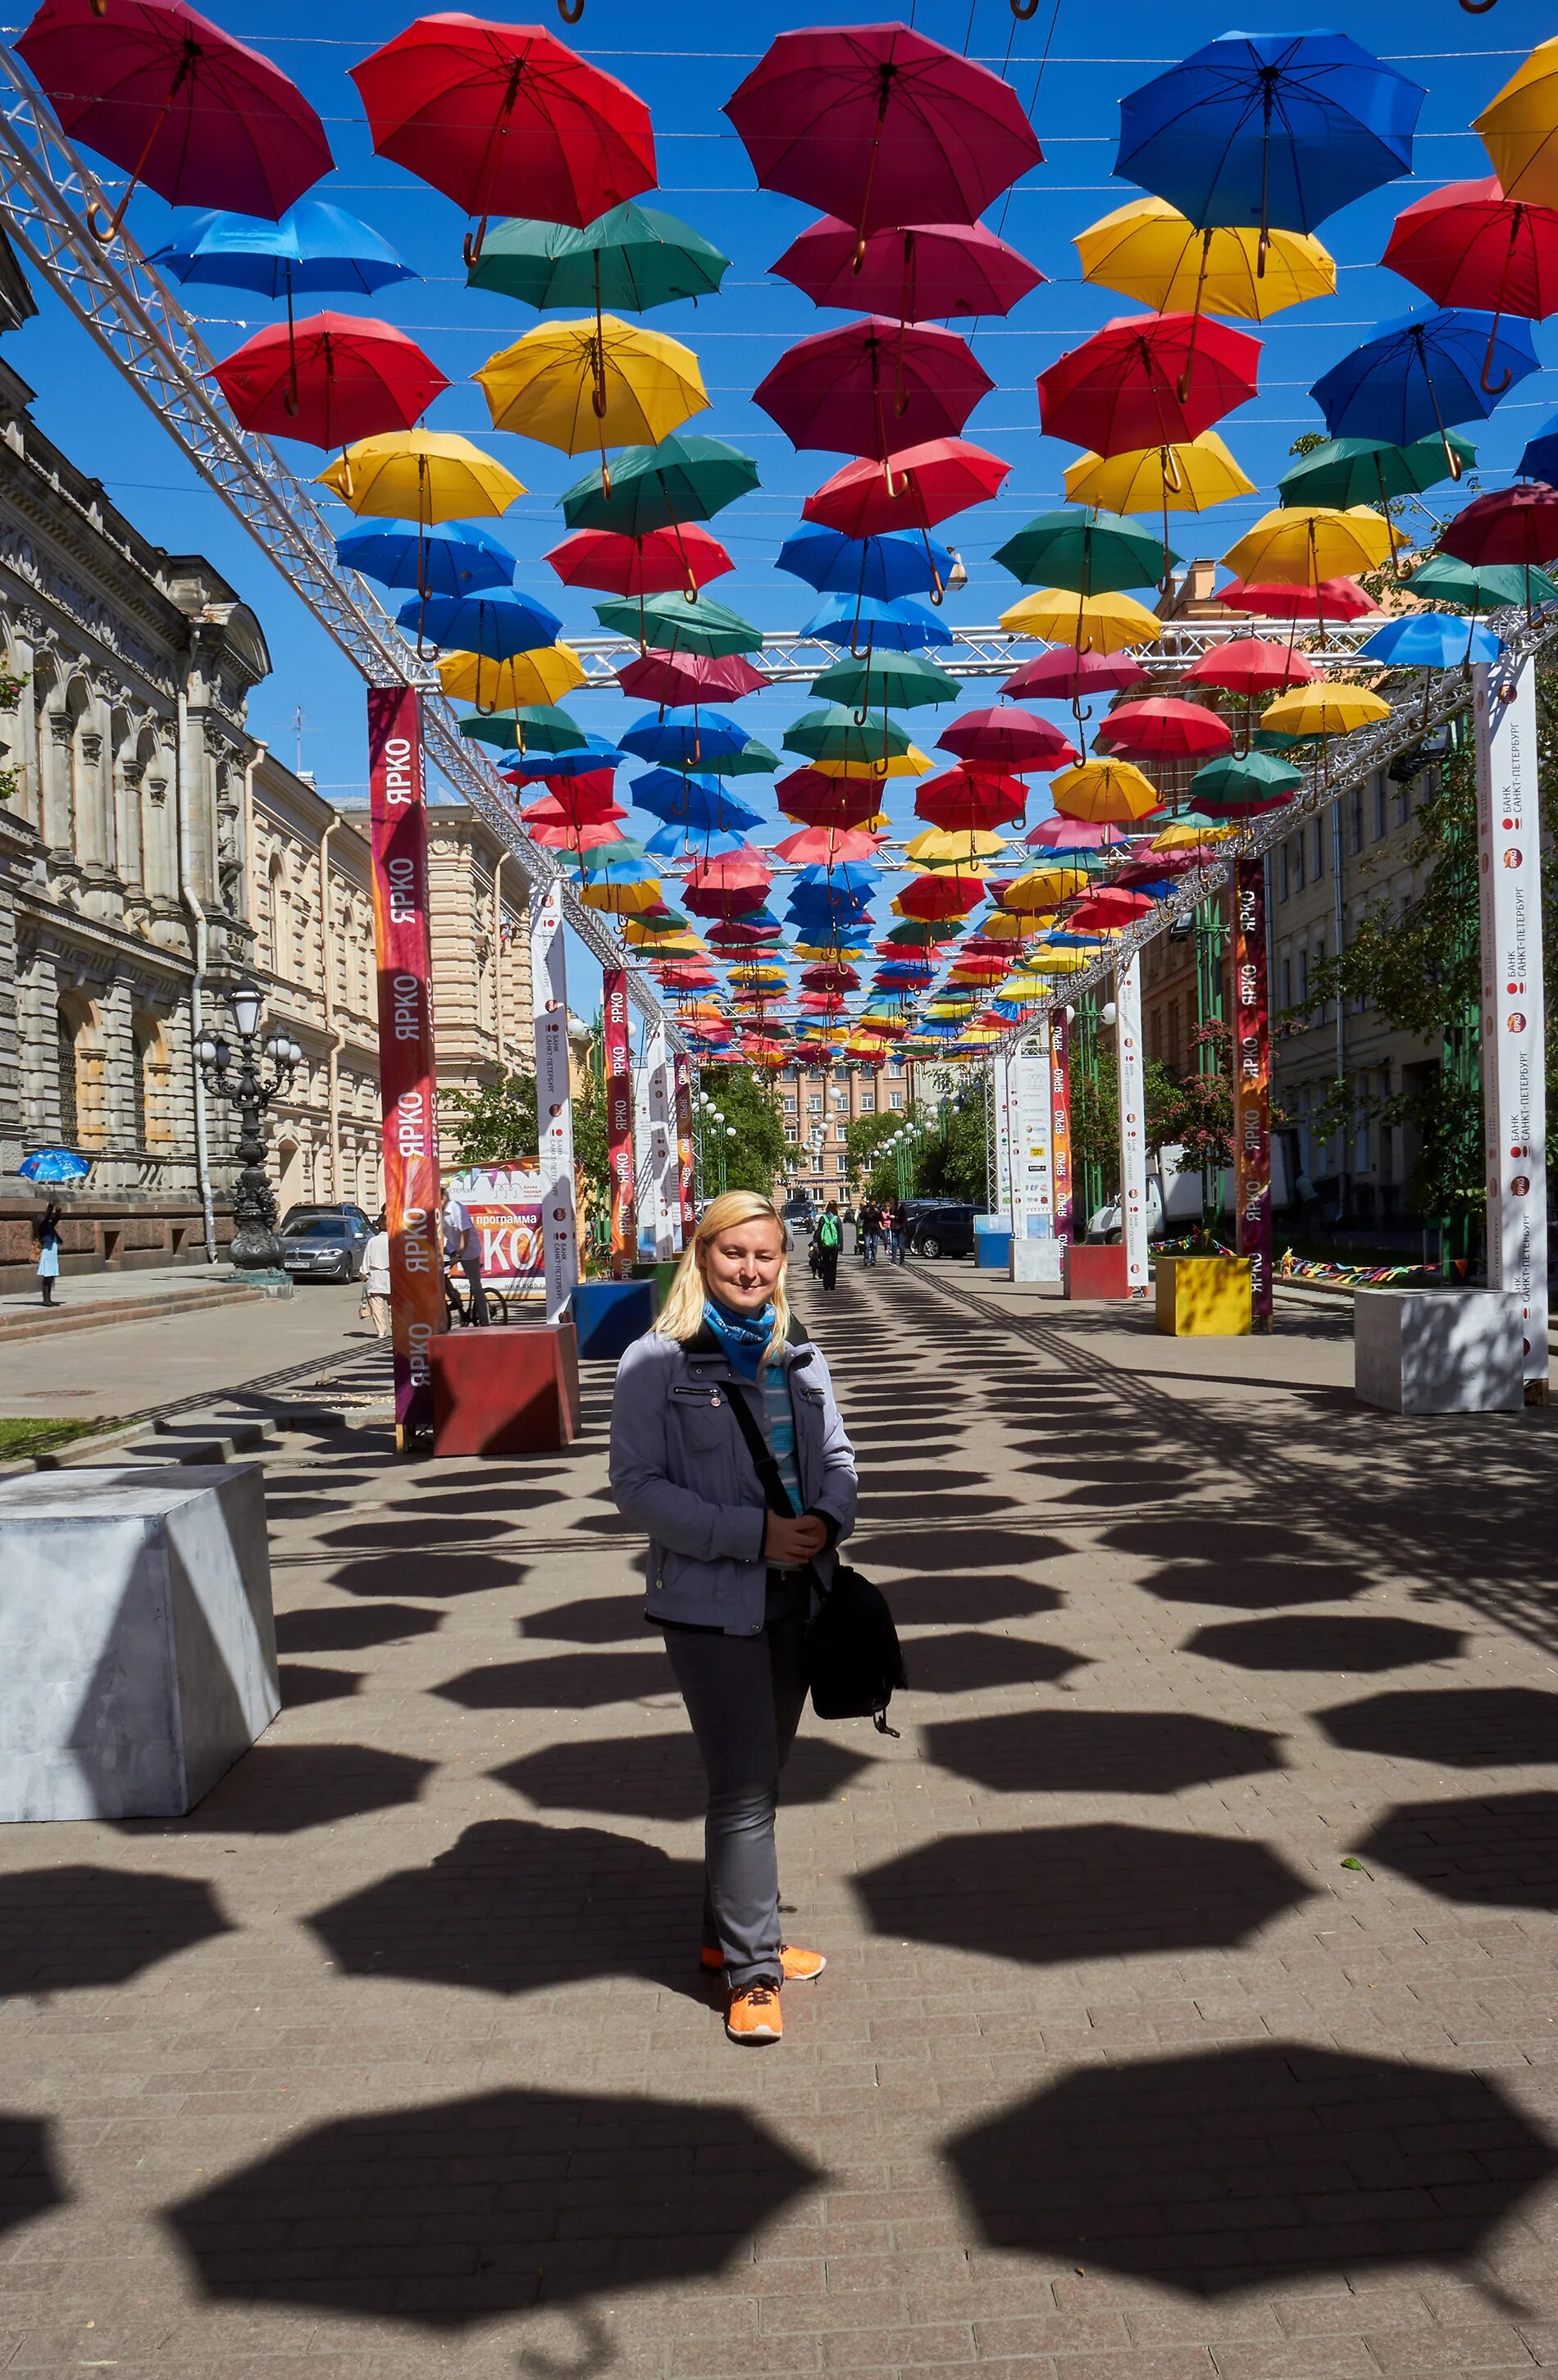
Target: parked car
[1174,1196]
[321,1244]
[357,1214]
[946,1229]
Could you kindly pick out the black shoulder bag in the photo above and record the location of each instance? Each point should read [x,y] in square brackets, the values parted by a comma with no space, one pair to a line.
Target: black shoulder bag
[854,1662]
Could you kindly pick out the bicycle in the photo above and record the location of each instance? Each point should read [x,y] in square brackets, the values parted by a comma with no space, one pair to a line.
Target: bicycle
[457,1304]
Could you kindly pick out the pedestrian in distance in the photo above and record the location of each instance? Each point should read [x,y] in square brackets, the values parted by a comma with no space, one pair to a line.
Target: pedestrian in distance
[723,1413]
[829,1243]
[462,1246]
[375,1306]
[45,1239]
[869,1230]
[898,1235]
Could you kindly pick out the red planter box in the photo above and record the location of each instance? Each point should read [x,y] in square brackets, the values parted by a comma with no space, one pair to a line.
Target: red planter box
[1095,1271]
[512,1390]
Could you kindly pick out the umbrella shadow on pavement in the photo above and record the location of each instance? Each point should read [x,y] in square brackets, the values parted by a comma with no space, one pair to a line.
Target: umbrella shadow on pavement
[302,1683]
[367,1537]
[661,1776]
[561,1682]
[1099,1752]
[1460,1726]
[942,1601]
[1494,1850]
[926,1549]
[29,2184]
[1243,1565]
[964,1660]
[1326,1640]
[427,1574]
[590,1620]
[280,1789]
[352,1627]
[84,1928]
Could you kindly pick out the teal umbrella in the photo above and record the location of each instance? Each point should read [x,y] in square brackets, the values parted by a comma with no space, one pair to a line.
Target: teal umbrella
[532,727]
[1367,471]
[1237,788]
[907,679]
[630,259]
[833,732]
[671,624]
[655,487]
[1088,551]
[1483,586]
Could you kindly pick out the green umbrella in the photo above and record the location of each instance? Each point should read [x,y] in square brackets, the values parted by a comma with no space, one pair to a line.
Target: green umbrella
[1230,788]
[833,732]
[655,487]
[914,934]
[533,727]
[630,259]
[908,679]
[1487,588]
[1271,739]
[671,624]
[1090,552]
[1367,471]
[754,760]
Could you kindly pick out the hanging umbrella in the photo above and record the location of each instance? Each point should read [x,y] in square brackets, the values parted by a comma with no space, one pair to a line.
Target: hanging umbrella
[675,680]
[878,126]
[669,560]
[929,899]
[547,824]
[1186,477]
[1011,739]
[1163,729]
[911,762]
[1467,245]
[907,680]
[1539,458]
[537,677]
[830,847]
[1107,911]
[873,384]
[1518,126]
[1278,129]
[920,272]
[528,727]
[812,799]
[1150,251]
[1148,380]
[674,626]
[591,761]
[1344,471]
[1441,579]
[916,487]
[311,248]
[573,385]
[881,567]
[497,621]
[1423,372]
[1067,835]
[54,1165]
[700,743]
[725,888]
[655,487]
[1102,791]
[1305,546]
[832,733]
[1090,552]
[331,380]
[177,103]
[448,558]
[967,798]
[505,120]
[1089,623]
[1074,676]
[1334,599]
[1042,890]
[1323,710]
[631,258]
[1431,640]
[692,801]
[1252,665]
[421,475]
[1242,788]
[1509,524]
[864,624]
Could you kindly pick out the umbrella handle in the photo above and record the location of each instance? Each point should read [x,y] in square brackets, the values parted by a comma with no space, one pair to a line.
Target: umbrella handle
[570,11]
[1490,387]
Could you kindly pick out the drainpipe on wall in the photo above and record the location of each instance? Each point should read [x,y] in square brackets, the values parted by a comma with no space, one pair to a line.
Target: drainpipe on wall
[498,958]
[192,903]
[1340,1002]
[337,1038]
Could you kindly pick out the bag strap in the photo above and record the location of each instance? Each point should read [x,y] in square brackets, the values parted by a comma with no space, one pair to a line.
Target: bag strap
[775,1494]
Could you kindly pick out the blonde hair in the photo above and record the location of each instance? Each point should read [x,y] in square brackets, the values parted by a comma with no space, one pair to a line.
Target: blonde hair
[681,1316]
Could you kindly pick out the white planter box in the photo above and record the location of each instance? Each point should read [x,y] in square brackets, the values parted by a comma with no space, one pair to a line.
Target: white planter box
[1036,1261]
[1439,1351]
[137,1655]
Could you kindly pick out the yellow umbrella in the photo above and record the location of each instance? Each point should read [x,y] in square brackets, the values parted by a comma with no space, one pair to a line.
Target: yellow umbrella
[943,847]
[1041,889]
[1189,478]
[1092,624]
[912,763]
[1104,792]
[664,938]
[622,900]
[1301,544]
[1323,710]
[1149,250]
[577,386]
[541,677]
[1179,837]
[1001,927]
[1519,129]
[420,475]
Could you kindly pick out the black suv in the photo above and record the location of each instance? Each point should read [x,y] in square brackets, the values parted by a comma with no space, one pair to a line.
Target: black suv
[944,1227]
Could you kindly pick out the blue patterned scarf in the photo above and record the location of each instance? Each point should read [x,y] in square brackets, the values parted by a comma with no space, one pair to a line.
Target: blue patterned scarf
[743,1336]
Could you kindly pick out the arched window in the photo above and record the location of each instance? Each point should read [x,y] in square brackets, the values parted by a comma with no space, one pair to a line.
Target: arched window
[65,1046]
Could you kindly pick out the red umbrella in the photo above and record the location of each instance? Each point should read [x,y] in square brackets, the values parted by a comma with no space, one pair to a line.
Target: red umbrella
[724,887]
[878,126]
[1063,676]
[1516,524]
[920,272]
[1005,738]
[1467,245]
[1107,910]
[1252,665]
[1148,380]
[504,120]
[1077,834]
[921,486]
[660,563]
[871,384]
[177,103]
[555,834]
[330,379]
[1163,729]
[969,797]
[830,975]
[734,934]
[1332,598]
[677,681]
[941,896]
[814,798]
[683,975]
[827,846]
[574,801]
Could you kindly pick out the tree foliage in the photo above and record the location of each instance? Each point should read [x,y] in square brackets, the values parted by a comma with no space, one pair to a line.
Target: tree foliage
[495,1125]
[1095,1112]
[755,1158]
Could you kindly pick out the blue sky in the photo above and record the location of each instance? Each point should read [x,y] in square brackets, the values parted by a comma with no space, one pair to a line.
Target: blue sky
[675,59]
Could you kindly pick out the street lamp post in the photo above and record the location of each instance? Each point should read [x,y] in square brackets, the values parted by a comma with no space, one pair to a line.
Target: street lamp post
[246,1087]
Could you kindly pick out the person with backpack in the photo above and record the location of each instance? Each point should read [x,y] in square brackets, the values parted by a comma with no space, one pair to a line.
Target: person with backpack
[828,1244]
[870,1226]
[728,1452]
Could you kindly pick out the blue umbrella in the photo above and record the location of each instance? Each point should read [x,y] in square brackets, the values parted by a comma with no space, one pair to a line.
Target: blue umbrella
[1269,129]
[884,567]
[1432,640]
[496,621]
[1419,373]
[1540,460]
[680,841]
[683,744]
[54,1165]
[578,761]
[690,801]
[862,622]
[313,247]
[446,558]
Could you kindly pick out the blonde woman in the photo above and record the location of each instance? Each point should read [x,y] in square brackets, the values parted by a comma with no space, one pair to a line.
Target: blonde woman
[731,1572]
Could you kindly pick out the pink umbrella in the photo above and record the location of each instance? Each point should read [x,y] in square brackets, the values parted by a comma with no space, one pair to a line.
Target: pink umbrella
[677,680]
[1012,739]
[1252,665]
[1076,834]
[873,386]
[177,103]
[1164,728]
[878,126]
[1109,909]
[1063,675]
[921,272]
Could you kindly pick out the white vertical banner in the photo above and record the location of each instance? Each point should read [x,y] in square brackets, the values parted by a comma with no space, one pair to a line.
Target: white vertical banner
[1514,1008]
[663,1146]
[555,1114]
[643,1144]
[1133,1124]
[1001,1107]
[1028,1107]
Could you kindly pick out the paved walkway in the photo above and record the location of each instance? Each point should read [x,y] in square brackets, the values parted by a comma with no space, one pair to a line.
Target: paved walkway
[1189,2014]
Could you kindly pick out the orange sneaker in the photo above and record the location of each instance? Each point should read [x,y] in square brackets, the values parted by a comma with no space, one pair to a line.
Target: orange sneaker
[752,2017]
[797,1966]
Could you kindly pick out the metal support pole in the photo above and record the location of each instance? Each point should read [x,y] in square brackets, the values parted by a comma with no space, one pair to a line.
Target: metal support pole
[1133,1123]
[554,1115]
[662,1146]
[1252,1085]
[616,1028]
[1060,1122]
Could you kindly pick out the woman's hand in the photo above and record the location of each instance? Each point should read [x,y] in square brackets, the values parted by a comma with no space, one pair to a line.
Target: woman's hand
[789,1543]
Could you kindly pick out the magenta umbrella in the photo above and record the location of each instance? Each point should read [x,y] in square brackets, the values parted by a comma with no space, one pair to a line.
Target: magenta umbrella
[921,272]
[878,126]
[177,103]
[1064,675]
[873,386]
[1008,738]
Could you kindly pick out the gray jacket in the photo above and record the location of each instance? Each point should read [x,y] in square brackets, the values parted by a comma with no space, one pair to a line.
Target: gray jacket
[680,1469]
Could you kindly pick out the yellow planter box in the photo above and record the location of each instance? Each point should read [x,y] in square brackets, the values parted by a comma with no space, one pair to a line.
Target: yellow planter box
[1204,1297]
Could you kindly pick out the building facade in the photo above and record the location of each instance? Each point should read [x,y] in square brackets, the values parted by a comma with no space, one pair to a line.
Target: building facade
[818,1105]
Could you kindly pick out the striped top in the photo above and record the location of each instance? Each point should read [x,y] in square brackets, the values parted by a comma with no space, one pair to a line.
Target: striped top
[774,1380]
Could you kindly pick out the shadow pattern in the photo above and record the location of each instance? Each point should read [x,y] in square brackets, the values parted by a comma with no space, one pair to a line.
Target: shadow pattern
[85,1928]
[1498,1850]
[1099,1752]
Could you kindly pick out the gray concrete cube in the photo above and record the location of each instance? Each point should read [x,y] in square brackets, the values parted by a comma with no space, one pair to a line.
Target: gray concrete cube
[1036,1261]
[1438,1350]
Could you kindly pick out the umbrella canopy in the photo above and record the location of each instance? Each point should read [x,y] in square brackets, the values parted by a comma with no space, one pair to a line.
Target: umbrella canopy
[878,126]
[830,846]
[1332,598]
[658,564]
[1148,380]
[1091,552]
[1346,472]
[967,798]
[675,680]
[498,622]
[528,727]
[1467,245]
[674,626]
[1252,665]
[177,103]
[1074,676]
[862,622]
[1323,710]
[916,487]
[1278,129]
[931,898]
[312,248]
[505,120]
[1516,525]
[918,272]
[1102,791]
[1164,729]
[1432,640]
[812,799]
[597,382]
[1040,889]
[907,679]
[1062,834]
[535,678]
[1239,788]
[631,257]
[1519,129]
[873,384]
[1007,738]
[420,475]
[699,743]
[655,487]
[692,801]
[832,733]
[445,558]
[1089,623]
[54,1165]
[1442,579]
[331,380]
[591,761]
[882,567]
[1106,911]
[1421,373]
[1150,251]
[1186,477]
[1304,545]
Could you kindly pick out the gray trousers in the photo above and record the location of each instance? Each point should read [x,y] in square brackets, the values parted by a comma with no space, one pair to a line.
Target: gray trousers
[744,1695]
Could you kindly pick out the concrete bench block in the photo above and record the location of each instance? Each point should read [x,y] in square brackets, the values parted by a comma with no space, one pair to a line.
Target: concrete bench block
[138,1652]
[992,1251]
[1204,1297]
[1439,1351]
[512,1389]
[1036,1259]
[1095,1269]
[609,1314]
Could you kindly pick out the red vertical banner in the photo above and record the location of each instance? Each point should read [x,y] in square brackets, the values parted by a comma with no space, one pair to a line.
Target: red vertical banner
[406,1083]
[686,1201]
[1060,1122]
[1252,1084]
[619,1123]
